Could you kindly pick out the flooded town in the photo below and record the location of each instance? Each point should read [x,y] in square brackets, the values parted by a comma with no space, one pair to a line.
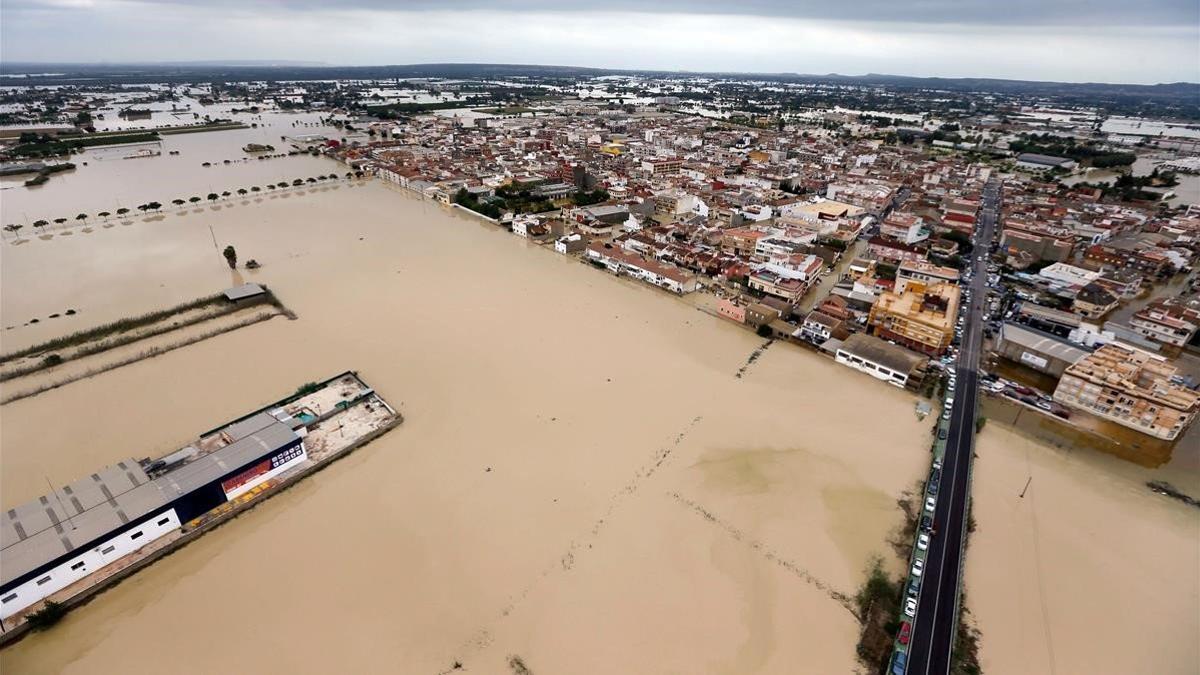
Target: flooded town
[550,371]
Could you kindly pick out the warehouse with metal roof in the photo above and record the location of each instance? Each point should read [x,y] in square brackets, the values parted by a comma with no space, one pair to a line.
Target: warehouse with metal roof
[1034,349]
[53,541]
[880,359]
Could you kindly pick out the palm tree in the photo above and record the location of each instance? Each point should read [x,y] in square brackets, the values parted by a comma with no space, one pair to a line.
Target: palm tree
[60,221]
[154,206]
[40,224]
[212,197]
[14,228]
[226,194]
[82,216]
[312,180]
[104,214]
[122,211]
[143,207]
[255,188]
[242,191]
[178,202]
[298,182]
[193,199]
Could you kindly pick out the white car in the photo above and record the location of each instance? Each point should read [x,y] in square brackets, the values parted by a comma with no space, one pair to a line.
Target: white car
[951,385]
[918,567]
[922,541]
[910,607]
[930,503]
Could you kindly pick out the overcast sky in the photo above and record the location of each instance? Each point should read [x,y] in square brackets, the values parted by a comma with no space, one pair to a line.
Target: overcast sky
[1142,41]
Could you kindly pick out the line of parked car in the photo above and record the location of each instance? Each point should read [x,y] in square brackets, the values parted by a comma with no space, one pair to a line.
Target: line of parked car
[1024,394]
[925,534]
[926,524]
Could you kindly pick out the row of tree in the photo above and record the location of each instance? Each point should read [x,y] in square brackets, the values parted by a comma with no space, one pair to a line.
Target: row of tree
[212,197]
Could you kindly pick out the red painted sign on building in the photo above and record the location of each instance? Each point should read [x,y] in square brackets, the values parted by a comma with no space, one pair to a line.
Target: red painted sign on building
[246,476]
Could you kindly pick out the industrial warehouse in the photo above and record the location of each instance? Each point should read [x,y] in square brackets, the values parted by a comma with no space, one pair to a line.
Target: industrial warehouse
[60,539]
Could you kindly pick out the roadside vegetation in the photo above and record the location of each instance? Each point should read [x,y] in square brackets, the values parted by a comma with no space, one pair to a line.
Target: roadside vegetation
[878,602]
[901,540]
[965,659]
[878,605]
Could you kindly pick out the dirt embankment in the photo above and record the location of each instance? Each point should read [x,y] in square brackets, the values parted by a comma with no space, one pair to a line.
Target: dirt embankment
[90,352]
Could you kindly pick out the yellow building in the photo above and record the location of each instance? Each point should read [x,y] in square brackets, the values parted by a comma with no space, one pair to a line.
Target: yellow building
[919,316]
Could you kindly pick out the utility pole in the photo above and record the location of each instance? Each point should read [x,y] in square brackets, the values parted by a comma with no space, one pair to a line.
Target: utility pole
[1022,495]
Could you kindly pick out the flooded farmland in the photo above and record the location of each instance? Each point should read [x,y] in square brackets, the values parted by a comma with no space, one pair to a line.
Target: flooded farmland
[104,181]
[581,481]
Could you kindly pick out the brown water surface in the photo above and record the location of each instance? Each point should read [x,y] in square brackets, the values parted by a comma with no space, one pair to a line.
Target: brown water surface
[580,480]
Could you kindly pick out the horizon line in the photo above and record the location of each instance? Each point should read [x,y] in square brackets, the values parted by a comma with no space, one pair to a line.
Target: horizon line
[5,68]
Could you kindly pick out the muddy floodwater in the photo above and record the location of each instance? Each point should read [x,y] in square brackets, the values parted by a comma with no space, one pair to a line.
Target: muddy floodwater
[581,480]
[104,180]
[1088,572]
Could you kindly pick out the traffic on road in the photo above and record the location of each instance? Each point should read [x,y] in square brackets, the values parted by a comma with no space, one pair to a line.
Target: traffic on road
[925,640]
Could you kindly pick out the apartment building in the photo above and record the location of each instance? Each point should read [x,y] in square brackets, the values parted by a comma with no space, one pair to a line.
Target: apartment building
[919,316]
[1131,387]
[1162,327]
[926,272]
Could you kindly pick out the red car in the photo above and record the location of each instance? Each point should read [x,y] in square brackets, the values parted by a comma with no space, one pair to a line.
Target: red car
[905,632]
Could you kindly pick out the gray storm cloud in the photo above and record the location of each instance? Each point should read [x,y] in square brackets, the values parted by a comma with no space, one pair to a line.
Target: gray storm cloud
[1067,40]
[970,12]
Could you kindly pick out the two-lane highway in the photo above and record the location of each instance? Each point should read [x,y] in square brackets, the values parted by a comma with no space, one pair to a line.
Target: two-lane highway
[932,641]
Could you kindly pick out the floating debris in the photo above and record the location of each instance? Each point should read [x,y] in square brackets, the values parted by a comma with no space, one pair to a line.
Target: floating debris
[1168,490]
[753,357]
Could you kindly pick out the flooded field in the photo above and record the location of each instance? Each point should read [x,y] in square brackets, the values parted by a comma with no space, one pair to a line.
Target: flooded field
[1089,572]
[108,182]
[581,480]
[1185,193]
